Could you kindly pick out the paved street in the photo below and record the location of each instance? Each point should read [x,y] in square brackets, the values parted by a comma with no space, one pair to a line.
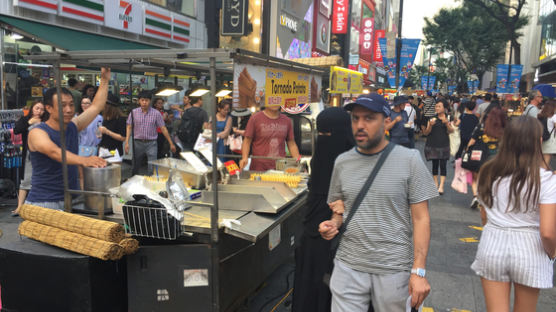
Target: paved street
[454,239]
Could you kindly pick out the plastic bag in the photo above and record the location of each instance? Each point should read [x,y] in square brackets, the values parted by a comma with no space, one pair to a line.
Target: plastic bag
[455,141]
[459,183]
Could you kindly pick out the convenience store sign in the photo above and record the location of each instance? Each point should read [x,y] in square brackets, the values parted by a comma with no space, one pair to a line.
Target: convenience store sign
[125,15]
[285,88]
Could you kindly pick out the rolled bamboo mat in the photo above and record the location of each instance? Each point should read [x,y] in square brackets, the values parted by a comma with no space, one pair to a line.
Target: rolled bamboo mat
[103,230]
[129,245]
[71,241]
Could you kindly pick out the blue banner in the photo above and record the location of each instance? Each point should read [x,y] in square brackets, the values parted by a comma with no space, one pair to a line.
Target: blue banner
[451,89]
[473,86]
[428,79]
[501,78]
[515,77]
[407,56]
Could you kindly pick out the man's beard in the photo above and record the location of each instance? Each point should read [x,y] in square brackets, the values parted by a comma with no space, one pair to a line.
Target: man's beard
[371,142]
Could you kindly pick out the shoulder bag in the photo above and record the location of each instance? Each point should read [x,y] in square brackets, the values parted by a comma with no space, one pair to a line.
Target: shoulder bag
[335,243]
[475,156]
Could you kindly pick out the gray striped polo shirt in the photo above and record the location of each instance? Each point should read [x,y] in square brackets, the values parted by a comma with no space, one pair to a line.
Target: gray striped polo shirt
[379,237]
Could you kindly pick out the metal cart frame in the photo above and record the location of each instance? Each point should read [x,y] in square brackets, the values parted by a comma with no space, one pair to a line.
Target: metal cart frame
[164,62]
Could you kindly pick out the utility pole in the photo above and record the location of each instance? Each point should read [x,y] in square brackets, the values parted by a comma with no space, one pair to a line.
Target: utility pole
[399,46]
[429,69]
[347,37]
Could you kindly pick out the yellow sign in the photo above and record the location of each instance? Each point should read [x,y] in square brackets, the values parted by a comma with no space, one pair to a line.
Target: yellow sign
[285,88]
[344,80]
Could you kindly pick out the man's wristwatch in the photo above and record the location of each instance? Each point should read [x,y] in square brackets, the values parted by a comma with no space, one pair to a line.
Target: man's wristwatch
[419,272]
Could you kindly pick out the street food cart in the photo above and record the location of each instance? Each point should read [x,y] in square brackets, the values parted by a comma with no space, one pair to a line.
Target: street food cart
[242,227]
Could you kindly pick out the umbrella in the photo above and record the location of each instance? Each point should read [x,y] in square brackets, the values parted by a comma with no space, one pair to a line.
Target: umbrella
[546,90]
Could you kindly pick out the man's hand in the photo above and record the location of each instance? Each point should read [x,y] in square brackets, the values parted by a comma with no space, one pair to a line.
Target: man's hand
[34,120]
[328,229]
[337,207]
[105,74]
[126,147]
[94,161]
[172,147]
[419,289]
[398,119]
[242,163]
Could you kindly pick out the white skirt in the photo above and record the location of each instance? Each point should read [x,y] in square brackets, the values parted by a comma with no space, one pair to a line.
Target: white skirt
[549,146]
[513,255]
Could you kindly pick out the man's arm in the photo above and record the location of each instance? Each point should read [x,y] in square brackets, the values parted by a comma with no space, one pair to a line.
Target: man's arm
[127,135]
[85,118]
[294,151]
[245,150]
[39,141]
[167,136]
[390,124]
[419,287]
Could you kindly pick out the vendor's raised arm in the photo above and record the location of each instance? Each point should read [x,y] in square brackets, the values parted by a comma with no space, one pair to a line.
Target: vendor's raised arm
[99,101]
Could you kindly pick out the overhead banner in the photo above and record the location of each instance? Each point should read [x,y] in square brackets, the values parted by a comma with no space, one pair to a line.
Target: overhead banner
[451,89]
[256,86]
[234,17]
[473,86]
[343,80]
[427,82]
[502,84]
[407,56]
[340,17]
[377,55]
[366,39]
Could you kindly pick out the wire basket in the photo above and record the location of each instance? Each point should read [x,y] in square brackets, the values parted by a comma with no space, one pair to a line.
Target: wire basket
[153,222]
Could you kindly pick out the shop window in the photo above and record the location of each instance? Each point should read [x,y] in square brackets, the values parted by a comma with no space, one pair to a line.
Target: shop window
[158,2]
[187,7]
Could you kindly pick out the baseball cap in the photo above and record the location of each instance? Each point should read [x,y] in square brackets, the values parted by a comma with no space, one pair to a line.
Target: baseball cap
[113,99]
[400,99]
[371,101]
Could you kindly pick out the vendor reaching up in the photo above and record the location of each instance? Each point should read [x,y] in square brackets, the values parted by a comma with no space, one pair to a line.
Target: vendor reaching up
[266,134]
[47,188]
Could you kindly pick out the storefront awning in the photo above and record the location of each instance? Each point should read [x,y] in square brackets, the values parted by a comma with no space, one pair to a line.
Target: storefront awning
[69,39]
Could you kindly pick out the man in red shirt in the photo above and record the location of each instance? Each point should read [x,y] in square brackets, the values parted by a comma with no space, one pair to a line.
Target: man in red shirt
[267,134]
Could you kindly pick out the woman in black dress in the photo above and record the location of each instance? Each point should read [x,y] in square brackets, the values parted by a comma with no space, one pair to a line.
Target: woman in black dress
[312,257]
[113,126]
[437,146]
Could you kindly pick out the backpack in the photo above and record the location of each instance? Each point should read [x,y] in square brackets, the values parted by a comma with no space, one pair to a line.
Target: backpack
[545,133]
[189,128]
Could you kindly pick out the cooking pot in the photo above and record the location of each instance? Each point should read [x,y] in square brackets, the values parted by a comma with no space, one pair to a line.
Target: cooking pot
[100,180]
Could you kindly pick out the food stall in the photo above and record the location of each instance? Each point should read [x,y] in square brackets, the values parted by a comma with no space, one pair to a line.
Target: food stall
[209,249]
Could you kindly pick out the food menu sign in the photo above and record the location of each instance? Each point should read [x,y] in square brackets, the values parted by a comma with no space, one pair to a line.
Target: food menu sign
[343,80]
[256,86]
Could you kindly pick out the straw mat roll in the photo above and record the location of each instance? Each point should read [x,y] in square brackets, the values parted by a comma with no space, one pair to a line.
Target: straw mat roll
[103,230]
[129,245]
[71,241]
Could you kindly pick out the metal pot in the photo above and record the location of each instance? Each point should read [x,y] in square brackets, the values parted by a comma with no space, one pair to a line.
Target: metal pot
[100,180]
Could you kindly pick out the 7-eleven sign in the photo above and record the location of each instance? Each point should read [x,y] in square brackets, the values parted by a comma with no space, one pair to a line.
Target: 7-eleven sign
[124,15]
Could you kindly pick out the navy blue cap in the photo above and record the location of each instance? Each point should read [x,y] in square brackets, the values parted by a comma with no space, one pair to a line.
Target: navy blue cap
[400,99]
[371,101]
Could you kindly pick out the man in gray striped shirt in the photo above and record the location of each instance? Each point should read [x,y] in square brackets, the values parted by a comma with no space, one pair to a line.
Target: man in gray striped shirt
[382,254]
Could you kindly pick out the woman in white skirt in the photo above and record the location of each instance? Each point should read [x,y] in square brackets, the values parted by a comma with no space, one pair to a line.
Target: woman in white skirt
[547,116]
[518,243]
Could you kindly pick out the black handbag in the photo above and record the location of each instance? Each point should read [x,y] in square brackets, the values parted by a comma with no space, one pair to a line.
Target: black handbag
[475,156]
[335,243]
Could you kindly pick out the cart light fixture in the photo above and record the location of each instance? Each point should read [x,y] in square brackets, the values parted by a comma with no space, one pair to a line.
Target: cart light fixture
[167,89]
[199,92]
[223,93]
[16,36]
[167,92]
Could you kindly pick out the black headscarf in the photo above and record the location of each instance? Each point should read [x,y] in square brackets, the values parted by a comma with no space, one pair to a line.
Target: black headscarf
[336,121]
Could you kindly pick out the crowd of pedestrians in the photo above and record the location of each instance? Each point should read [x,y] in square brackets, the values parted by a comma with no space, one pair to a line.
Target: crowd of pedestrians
[371,210]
